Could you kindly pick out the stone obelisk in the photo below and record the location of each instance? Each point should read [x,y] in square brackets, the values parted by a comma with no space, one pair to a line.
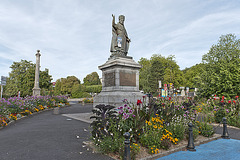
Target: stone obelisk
[36,89]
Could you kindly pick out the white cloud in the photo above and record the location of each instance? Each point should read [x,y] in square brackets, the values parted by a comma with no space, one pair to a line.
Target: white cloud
[74,36]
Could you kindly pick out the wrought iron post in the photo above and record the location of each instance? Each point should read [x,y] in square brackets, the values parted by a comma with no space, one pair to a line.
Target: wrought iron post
[225,134]
[190,145]
[127,146]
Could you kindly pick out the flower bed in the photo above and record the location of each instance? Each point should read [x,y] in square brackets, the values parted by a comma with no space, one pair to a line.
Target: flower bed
[159,125]
[17,107]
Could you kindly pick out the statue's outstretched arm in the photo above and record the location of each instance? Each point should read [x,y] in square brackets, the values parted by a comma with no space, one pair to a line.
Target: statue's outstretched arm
[113,21]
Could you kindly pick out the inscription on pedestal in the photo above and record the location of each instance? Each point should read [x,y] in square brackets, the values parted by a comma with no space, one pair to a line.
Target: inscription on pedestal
[109,79]
[127,79]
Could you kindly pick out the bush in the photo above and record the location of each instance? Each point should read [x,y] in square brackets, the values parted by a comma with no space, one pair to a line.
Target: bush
[205,129]
[218,116]
[81,95]
[94,89]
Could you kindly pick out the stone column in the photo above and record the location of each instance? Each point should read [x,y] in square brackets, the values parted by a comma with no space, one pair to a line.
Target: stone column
[36,89]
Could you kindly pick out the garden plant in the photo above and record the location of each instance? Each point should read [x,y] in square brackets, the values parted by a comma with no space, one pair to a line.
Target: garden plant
[160,124]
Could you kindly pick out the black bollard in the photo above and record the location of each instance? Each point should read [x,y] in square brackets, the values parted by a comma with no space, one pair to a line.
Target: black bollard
[127,146]
[190,145]
[225,134]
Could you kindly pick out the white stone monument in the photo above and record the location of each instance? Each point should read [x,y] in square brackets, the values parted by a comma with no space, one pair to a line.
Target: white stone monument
[36,89]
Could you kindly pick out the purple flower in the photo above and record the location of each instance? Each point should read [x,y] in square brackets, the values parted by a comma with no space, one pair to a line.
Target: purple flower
[182,107]
[185,115]
[125,105]
[130,111]
[133,115]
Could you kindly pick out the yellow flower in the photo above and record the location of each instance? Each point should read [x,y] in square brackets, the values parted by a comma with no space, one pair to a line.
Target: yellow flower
[149,123]
[154,126]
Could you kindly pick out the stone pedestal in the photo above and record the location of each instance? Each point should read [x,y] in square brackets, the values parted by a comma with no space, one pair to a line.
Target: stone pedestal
[120,80]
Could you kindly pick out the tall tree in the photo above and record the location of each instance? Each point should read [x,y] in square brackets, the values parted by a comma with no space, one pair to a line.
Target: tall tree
[92,79]
[192,75]
[159,68]
[68,83]
[144,74]
[221,74]
[22,78]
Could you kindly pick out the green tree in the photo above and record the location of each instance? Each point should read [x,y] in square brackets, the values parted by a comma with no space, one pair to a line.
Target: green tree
[221,73]
[57,89]
[66,85]
[159,68]
[92,79]
[144,74]
[22,78]
[192,75]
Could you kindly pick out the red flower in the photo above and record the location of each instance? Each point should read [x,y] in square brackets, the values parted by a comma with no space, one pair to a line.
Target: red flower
[169,98]
[139,102]
[222,97]
[229,101]
[236,97]
[234,101]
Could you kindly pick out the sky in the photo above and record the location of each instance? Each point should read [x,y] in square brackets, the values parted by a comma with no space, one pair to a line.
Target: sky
[74,36]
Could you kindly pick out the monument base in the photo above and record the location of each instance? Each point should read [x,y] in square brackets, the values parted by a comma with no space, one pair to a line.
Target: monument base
[116,98]
[36,91]
[120,80]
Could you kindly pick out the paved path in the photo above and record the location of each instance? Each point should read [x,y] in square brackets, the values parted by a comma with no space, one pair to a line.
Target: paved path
[49,137]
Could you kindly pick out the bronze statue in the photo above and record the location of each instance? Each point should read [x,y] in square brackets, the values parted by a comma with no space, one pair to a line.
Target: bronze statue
[120,41]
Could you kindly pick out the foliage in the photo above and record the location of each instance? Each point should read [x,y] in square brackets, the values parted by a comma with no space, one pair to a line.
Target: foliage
[64,86]
[221,73]
[205,129]
[14,108]
[100,125]
[156,69]
[162,123]
[192,75]
[22,78]
[94,88]
[79,91]
[92,79]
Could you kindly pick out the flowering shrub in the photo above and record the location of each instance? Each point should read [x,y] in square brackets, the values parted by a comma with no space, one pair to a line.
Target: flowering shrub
[14,108]
[164,122]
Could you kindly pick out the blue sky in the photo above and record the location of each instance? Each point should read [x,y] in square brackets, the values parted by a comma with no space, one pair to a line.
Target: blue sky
[74,36]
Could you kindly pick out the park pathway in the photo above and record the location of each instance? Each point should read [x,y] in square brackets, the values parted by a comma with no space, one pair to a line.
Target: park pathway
[46,136]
